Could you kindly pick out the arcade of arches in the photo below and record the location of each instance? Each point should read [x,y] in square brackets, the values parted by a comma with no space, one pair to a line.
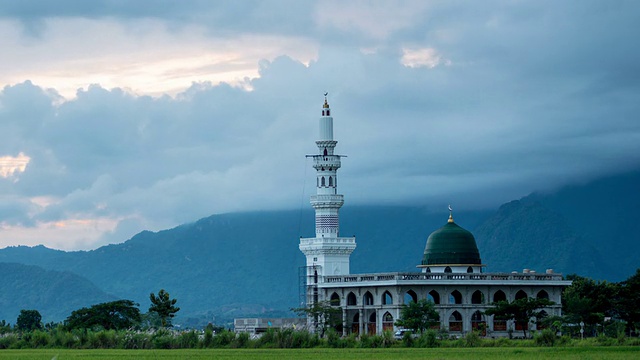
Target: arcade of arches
[461,308]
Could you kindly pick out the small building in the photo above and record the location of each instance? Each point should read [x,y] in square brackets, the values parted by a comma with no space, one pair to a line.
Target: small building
[256,326]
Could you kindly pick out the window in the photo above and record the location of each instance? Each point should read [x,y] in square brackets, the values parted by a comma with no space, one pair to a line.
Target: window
[368,298]
[387,299]
[322,182]
[351,299]
[477,297]
[542,294]
[499,296]
[469,270]
[410,296]
[335,299]
[434,297]
[330,181]
[455,297]
[447,269]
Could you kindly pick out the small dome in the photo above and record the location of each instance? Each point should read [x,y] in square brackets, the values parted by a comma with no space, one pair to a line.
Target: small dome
[450,245]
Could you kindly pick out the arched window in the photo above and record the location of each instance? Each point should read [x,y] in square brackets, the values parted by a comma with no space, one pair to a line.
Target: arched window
[368,298]
[521,295]
[325,151]
[433,296]
[351,299]
[477,297]
[455,297]
[447,269]
[499,296]
[542,294]
[322,181]
[387,299]
[410,296]
[469,269]
[428,269]
[330,181]
[455,322]
[387,322]
[328,112]
[335,299]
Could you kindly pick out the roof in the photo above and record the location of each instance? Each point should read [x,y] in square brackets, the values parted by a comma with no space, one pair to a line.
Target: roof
[451,244]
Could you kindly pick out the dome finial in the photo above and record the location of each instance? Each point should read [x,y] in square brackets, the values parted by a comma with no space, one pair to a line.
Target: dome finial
[326,104]
[450,214]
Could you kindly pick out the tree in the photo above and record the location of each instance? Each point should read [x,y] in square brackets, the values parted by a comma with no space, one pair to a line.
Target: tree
[418,316]
[628,304]
[324,315]
[589,301]
[521,310]
[114,315]
[29,320]
[163,305]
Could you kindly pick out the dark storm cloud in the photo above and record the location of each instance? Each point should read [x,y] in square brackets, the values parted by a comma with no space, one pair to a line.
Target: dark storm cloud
[512,97]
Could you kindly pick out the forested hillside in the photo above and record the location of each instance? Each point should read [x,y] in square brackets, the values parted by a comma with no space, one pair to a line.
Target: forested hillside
[246,264]
[53,293]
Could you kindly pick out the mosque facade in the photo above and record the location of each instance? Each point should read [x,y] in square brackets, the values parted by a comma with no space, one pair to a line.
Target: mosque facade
[451,273]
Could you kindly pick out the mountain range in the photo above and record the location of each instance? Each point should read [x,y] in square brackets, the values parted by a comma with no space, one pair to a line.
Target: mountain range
[247,264]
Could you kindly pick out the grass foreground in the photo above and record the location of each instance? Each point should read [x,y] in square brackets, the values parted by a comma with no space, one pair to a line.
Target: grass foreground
[596,352]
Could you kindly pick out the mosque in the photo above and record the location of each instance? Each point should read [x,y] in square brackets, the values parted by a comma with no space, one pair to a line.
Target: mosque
[451,275]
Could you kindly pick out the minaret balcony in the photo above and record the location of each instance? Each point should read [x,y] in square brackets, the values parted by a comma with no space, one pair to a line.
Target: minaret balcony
[328,200]
[326,162]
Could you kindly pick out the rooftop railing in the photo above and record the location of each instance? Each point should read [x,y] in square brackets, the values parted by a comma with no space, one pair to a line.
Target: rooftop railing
[439,276]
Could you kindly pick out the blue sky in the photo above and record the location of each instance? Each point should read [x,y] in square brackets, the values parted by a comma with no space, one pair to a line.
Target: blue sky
[120,116]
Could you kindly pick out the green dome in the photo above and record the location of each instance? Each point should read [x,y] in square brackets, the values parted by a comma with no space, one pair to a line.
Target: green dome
[450,245]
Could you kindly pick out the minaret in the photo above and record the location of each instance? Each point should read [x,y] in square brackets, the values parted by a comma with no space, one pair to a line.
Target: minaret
[328,253]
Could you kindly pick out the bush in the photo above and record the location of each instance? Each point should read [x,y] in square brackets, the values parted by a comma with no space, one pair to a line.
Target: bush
[188,340]
[208,338]
[242,341]
[546,337]
[472,339]
[429,339]
[224,338]
[39,339]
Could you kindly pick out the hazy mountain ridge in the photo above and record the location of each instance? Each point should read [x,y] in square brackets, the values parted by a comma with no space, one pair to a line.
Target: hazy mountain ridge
[247,263]
[55,294]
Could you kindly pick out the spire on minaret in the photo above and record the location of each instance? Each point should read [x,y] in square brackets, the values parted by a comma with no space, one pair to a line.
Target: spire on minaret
[450,214]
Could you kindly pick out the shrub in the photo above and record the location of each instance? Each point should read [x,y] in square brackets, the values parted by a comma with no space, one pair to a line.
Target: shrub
[472,339]
[242,340]
[546,337]
[188,340]
[39,339]
[429,339]
[208,338]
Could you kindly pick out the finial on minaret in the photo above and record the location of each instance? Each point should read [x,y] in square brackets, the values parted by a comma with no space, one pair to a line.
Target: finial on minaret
[326,104]
[450,214]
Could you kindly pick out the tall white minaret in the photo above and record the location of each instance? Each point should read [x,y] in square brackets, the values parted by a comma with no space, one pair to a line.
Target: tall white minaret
[327,253]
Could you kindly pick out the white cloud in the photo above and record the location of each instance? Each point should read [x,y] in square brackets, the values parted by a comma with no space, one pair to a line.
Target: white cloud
[11,166]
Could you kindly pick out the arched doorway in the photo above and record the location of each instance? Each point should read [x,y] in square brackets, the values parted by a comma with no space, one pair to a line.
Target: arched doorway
[371,325]
[355,324]
[478,323]
[455,322]
[387,322]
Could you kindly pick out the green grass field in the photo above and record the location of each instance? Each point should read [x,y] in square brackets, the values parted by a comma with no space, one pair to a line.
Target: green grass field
[614,352]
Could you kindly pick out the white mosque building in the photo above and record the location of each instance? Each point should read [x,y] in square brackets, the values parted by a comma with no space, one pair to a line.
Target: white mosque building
[451,273]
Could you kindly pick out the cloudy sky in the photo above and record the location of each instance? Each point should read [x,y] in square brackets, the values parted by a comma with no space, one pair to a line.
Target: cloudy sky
[118,116]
